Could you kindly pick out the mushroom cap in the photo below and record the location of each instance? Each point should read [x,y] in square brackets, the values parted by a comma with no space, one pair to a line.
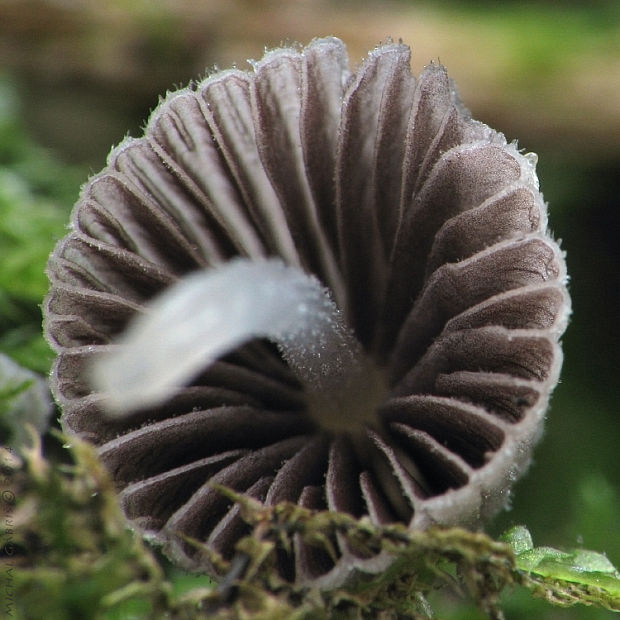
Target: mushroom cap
[430,232]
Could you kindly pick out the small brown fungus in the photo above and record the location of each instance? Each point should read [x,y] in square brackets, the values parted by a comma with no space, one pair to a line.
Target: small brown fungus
[311,285]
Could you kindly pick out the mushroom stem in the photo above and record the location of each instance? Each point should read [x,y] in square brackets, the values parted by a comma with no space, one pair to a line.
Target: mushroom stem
[210,313]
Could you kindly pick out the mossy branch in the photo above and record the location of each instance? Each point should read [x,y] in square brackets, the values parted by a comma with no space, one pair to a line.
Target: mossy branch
[67,547]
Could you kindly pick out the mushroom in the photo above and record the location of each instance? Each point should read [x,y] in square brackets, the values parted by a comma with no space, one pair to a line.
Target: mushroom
[309,285]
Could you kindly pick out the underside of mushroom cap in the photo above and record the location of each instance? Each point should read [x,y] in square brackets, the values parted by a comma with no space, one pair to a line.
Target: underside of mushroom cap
[429,234]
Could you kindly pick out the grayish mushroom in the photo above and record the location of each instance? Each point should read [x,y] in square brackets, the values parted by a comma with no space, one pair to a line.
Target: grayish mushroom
[346,298]
[24,400]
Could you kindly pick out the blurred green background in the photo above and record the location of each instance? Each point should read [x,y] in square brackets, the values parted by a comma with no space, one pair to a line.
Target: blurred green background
[76,76]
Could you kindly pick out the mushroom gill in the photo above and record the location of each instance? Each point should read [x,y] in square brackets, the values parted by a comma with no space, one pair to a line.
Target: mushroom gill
[346,296]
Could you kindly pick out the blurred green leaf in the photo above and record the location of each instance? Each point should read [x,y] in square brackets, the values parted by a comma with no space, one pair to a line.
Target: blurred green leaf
[565,577]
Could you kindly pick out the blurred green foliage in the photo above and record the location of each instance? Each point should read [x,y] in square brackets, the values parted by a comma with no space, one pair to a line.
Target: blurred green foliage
[36,193]
[539,39]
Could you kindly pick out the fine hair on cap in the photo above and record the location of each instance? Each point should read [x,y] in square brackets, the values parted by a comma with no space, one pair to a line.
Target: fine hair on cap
[311,285]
